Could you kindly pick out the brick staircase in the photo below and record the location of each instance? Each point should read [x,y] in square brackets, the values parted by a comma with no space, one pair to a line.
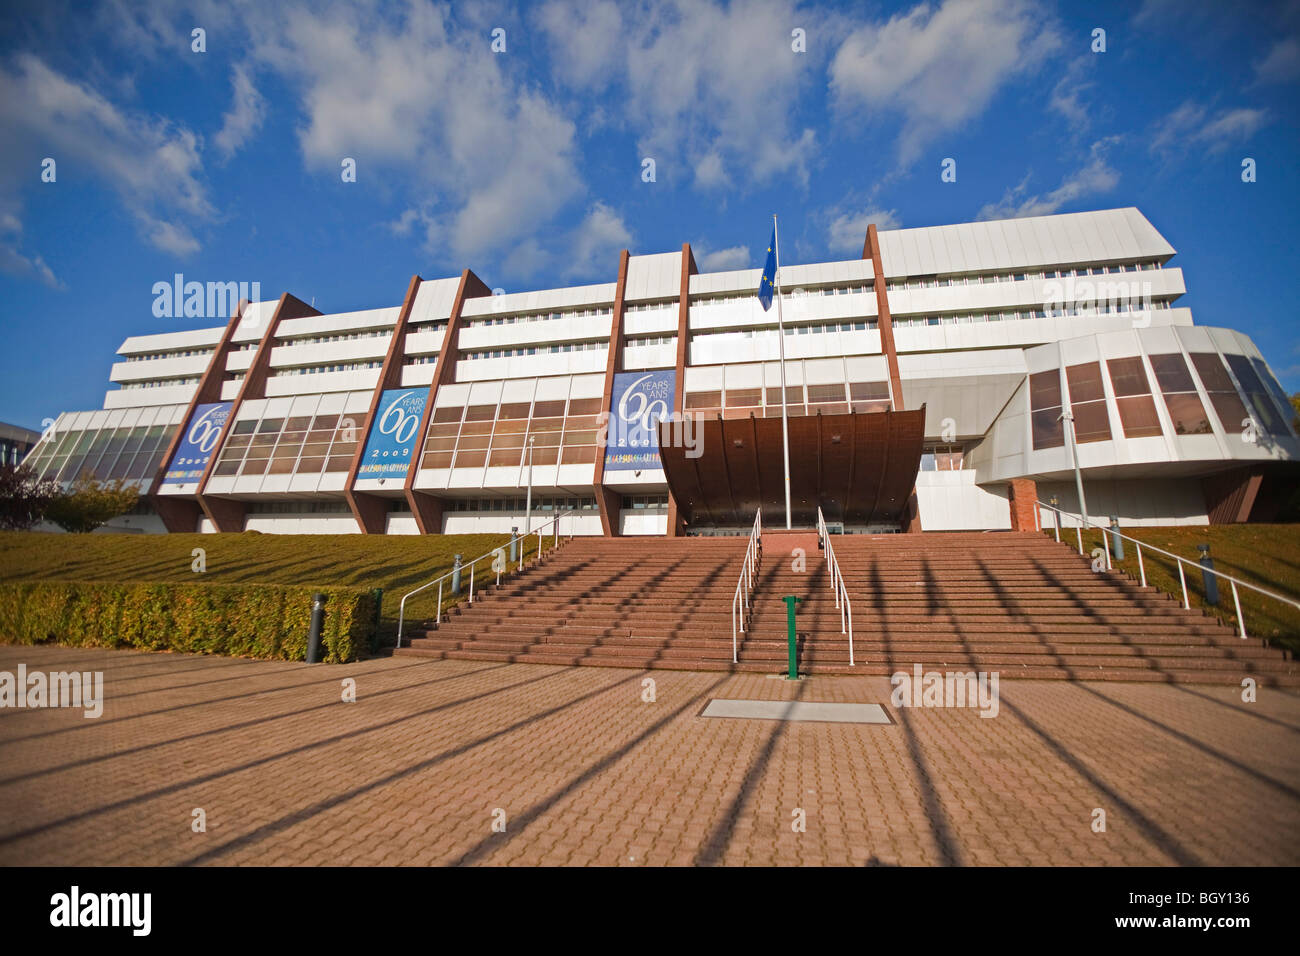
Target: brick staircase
[1020,604]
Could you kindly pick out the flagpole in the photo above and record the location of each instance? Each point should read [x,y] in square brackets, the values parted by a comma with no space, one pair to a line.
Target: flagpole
[780,334]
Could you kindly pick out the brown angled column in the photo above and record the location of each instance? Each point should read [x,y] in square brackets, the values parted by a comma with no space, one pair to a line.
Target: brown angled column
[677,526]
[871,250]
[181,514]
[227,514]
[885,322]
[608,501]
[371,510]
[427,508]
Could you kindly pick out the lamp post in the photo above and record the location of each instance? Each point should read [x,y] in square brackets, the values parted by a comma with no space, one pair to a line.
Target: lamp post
[1068,417]
[528,505]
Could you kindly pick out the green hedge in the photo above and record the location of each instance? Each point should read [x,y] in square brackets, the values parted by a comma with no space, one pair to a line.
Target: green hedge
[243,620]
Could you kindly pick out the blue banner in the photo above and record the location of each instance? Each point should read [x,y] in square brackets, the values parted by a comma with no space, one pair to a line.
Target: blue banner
[640,401]
[392,436]
[200,438]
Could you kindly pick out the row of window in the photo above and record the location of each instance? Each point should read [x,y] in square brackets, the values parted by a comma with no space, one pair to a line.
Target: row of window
[556,431]
[986,278]
[603,311]
[336,367]
[107,453]
[302,507]
[534,350]
[519,505]
[297,445]
[1100,308]
[766,402]
[653,340]
[794,293]
[1136,404]
[162,382]
[340,337]
[176,353]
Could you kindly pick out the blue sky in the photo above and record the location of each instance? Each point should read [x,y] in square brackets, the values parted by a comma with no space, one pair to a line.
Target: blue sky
[526,165]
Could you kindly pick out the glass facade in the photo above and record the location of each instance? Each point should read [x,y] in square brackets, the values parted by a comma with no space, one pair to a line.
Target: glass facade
[294,445]
[562,432]
[132,452]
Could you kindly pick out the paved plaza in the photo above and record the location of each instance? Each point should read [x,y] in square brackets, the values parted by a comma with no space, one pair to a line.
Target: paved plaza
[460,762]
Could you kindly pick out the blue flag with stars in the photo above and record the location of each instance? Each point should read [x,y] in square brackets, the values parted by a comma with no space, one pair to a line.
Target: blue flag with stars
[767,285]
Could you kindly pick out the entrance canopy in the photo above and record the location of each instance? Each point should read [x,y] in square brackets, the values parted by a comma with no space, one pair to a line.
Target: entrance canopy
[859,467]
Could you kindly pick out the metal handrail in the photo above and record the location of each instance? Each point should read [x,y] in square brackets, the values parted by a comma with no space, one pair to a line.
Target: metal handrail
[838,587]
[1182,576]
[401,614]
[740,600]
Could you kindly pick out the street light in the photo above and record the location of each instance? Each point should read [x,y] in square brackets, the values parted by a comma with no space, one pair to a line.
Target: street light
[1068,417]
[528,506]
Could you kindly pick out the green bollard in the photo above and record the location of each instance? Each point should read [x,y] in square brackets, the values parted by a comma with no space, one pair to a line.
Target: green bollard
[790,602]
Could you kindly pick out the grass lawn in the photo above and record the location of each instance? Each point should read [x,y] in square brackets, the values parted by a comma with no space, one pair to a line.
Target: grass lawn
[1264,554]
[396,563]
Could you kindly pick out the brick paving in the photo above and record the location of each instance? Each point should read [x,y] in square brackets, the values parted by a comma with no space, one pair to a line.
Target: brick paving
[588,773]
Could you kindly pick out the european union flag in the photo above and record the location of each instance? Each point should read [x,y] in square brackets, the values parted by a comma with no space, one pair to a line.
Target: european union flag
[767,285]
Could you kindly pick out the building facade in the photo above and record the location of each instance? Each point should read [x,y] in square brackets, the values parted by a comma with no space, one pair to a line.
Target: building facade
[446,411]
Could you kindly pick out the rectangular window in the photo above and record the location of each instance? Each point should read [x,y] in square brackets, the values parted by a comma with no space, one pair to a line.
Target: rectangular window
[1045,409]
[1179,391]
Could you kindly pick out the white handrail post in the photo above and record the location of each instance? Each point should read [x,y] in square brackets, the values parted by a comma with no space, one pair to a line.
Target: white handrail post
[401,619]
[1141,567]
[1182,579]
[1241,621]
[1078,530]
[438,616]
[471,582]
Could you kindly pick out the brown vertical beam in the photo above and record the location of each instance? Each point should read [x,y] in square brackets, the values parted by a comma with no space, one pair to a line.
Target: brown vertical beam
[885,322]
[428,508]
[227,514]
[871,250]
[676,524]
[181,514]
[608,501]
[371,510]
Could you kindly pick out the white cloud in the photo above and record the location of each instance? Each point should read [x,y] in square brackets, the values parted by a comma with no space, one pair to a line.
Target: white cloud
[848,231]
[152,164]
[1282,64]
[589,250]
[596,243]
[938,67]
[1193,127]
[247,110]
[577,34]
[721,260]
[13,261]
[496,160]
[1095,177]
[708,88]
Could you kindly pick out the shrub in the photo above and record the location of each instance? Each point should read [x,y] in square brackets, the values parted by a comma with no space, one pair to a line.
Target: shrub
[24,498]
[246,620]
[90,503]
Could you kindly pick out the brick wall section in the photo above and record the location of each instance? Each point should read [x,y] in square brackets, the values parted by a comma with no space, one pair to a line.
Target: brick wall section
[1022,496]
[609,502]
[677,526]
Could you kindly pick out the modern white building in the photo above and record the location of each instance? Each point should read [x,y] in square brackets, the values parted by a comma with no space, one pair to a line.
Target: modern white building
[438,411]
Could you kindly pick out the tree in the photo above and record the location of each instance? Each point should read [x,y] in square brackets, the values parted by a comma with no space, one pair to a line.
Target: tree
[24,498]
[1295,403]
[91,503]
